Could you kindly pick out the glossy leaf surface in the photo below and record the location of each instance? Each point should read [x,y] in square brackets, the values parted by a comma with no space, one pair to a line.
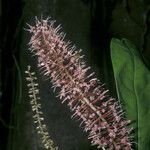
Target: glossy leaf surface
[133,88]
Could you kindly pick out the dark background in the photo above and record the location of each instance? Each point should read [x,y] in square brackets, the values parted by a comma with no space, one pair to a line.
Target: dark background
[90,24]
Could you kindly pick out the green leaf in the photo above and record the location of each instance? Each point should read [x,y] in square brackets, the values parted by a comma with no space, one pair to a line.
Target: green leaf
[133,88]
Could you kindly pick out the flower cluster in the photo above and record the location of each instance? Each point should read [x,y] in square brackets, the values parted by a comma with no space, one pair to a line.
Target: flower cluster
[36,106]
[100,114]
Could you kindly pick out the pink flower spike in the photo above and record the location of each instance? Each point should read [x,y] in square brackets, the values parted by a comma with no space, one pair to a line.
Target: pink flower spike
[85,95]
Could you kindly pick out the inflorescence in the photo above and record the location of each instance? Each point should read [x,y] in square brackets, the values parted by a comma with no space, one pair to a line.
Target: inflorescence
[100,114]
[37,113]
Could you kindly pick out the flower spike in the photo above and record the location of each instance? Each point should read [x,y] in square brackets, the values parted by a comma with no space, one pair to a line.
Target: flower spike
[36,109]
[101,114]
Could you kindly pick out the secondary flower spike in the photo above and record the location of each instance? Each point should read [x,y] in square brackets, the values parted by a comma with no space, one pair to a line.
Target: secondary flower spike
[100,114]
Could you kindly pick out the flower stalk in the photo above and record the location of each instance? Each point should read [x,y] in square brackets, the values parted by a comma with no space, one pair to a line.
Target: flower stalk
[100,114]
[36,109]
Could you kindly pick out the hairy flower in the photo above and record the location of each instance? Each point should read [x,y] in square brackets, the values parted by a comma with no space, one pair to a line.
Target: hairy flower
[100,114]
